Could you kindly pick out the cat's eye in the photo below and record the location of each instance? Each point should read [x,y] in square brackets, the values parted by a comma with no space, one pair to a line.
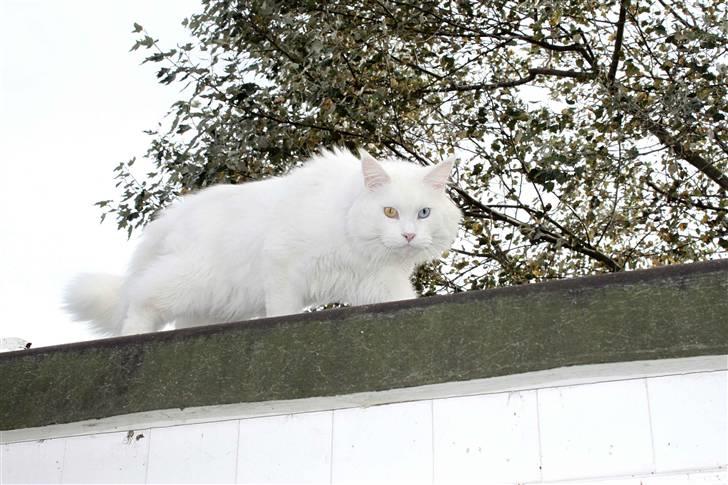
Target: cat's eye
[391,212]
[423,213]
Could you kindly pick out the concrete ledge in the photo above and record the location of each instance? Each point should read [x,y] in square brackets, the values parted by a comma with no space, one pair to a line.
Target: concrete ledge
[530,381]
[670,312]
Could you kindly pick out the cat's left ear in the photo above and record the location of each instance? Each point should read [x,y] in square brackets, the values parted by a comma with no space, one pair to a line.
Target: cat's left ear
[374,174]
[438,175]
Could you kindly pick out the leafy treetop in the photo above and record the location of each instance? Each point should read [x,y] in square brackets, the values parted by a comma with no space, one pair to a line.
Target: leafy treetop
[592,136]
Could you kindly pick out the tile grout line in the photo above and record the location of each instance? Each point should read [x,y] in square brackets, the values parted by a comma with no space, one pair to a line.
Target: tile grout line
[597,479]
[63,460]
[538,433]
[331,450]
[652,431]
[237,452]
[149,454]
[432,438]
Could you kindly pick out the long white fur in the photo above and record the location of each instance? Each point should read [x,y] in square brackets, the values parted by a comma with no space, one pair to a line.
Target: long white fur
[317,235]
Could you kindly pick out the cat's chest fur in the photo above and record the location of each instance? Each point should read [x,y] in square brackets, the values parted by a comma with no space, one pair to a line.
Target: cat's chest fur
[339,276]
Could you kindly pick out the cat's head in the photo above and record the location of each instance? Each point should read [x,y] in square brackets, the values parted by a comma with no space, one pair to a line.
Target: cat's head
[403,212]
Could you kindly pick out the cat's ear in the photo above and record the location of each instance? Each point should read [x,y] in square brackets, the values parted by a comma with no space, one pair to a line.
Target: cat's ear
[438,175]
[374,174]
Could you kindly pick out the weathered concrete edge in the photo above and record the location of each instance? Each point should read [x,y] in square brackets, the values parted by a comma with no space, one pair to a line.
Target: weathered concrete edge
[120,372]
[530,381]
[563,285]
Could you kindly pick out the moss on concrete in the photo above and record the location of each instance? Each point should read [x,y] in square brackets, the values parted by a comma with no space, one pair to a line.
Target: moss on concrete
[678,311]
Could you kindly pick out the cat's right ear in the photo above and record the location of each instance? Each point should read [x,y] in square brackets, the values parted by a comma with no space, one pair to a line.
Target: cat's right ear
[374,174]
[438,175]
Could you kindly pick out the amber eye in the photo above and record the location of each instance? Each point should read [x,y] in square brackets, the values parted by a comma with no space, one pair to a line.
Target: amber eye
[391,212]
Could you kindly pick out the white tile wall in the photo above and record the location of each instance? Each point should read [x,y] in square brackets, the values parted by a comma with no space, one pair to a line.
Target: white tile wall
[198,453]
[689,420]
[32,462]
[657,431]
[595,430]
[285,449]
[107,458]
[486,439]
[383,444]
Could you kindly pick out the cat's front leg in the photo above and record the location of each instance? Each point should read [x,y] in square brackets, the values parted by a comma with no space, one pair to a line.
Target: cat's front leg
[401,289]
[281,280]
[283,296]
[383,288]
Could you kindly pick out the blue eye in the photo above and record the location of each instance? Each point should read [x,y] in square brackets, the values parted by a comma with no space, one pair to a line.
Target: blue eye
[423,213]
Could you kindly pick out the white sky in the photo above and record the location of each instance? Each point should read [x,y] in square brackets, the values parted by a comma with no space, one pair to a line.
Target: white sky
[73,104]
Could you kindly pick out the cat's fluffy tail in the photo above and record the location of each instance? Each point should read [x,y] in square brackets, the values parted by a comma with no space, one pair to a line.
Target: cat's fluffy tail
[95,297]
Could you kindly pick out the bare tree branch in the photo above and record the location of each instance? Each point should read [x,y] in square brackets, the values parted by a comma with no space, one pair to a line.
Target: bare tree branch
[723,145]
[581,49]
[684,153]
[618,41]
[691,203]
[532,74]
[541,234]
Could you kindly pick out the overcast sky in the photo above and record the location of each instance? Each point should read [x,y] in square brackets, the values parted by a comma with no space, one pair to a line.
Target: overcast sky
[73,104]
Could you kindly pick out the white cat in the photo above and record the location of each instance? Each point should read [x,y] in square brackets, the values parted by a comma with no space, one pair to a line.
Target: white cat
[337,229]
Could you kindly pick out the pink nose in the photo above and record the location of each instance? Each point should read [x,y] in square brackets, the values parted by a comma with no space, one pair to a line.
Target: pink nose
[409,236]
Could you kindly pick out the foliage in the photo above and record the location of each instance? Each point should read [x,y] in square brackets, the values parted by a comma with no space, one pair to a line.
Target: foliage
[592,135]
